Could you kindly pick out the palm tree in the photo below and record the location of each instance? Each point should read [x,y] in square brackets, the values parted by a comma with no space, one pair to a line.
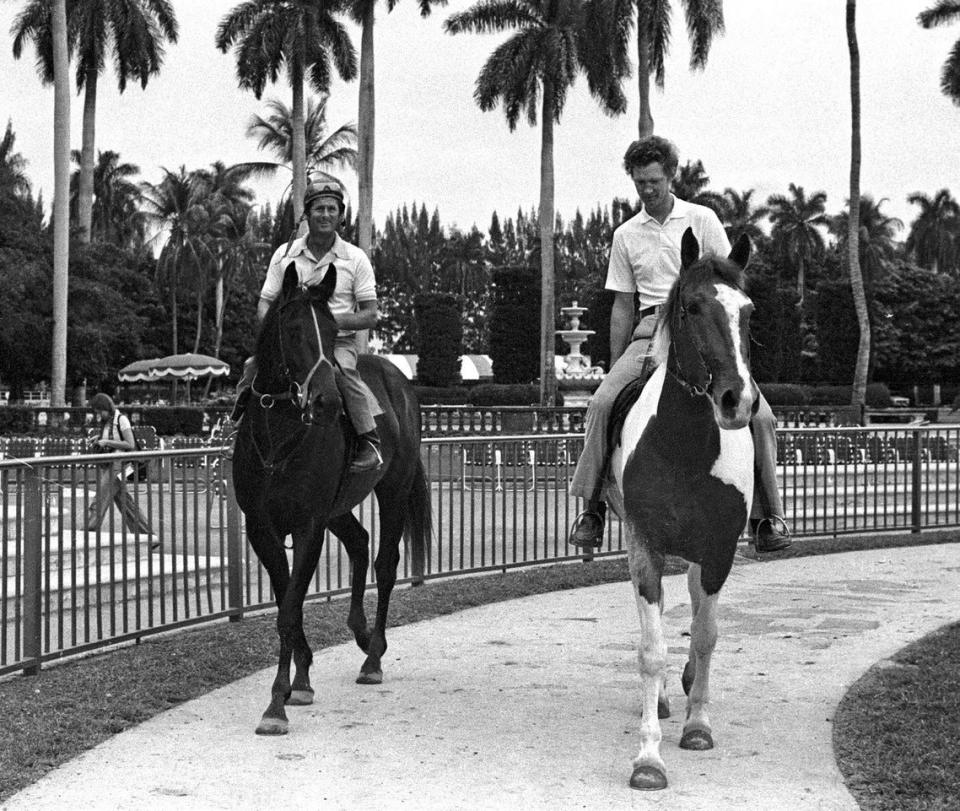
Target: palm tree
[116,217]
[704,20]
[739,216]
[325,152]
[941,13]
[796,228]
[135,29]
[859,394]
[177,208]
[60,58]
[934,238]
[300,35]
[362,11]
[878,246]
[540,62]
[13,166]
[690,184]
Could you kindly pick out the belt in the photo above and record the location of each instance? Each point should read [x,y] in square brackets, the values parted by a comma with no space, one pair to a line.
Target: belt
[648,311]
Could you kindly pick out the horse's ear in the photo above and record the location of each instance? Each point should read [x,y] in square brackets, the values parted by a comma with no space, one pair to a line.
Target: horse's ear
[689,249]
[329,283]
[740,252]
[290,280]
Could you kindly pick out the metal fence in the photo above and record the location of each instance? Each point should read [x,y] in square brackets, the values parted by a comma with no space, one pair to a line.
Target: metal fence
[499,501]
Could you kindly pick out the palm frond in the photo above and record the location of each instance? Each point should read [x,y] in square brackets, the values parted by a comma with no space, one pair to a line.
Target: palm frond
[941,12]
[489,16]
[704,22]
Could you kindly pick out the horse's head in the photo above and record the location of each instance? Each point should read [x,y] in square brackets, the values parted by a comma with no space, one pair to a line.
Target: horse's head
[295,348]
[704,334]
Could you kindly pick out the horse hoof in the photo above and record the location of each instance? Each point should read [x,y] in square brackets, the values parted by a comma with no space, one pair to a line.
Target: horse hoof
[374,677]
[698,740]
[648,778]
[272,726]
[663,708]
[687,678]
[300,698]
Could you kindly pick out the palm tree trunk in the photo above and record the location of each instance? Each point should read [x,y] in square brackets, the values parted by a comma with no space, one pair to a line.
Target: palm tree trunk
[299,140]
[365,135]
[548,375]
[853,221]
[220,305]
[365,147]
[61,201]
[85,185]
[645,123]
[800,278]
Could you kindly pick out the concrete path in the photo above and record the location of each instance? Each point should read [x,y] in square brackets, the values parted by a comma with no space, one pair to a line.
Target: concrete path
[532,704]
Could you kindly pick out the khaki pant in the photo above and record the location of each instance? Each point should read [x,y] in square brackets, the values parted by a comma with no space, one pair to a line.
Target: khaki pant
[360,404]
[112,488]
[588,478]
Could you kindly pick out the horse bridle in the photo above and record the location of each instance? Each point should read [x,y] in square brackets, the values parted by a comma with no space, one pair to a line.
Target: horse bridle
[692,389]
[296,391]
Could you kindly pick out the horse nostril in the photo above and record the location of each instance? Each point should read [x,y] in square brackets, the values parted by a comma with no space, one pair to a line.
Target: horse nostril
[729,401]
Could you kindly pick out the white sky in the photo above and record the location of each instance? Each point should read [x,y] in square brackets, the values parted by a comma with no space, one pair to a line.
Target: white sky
[771,108]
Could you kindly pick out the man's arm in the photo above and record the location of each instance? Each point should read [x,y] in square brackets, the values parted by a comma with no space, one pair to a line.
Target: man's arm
[366,316]
[621,325]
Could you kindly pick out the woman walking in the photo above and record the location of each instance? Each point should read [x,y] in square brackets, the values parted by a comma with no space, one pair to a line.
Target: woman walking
[116,434]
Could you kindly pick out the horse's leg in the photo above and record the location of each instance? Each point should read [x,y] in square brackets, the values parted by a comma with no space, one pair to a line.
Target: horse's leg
[356,540]
[663,703]
[646,570]
[385,566]
[307,546]
[703,638]
[269,549]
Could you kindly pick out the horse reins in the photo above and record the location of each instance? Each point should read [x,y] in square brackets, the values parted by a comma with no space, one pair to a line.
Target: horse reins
[692,389]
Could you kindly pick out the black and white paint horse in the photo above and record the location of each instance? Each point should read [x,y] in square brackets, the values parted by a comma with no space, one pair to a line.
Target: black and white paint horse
[684,480]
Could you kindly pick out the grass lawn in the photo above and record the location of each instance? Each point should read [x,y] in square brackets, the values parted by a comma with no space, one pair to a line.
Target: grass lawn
[896,733]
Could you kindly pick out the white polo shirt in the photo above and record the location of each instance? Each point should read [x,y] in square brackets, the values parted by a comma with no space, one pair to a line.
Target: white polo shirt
[355,278]
[645,255]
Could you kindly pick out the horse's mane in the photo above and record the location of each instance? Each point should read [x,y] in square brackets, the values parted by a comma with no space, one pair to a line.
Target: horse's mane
[708,268]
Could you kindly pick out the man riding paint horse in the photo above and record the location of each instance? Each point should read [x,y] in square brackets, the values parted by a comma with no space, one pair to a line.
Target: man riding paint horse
[645,260]
[353,305]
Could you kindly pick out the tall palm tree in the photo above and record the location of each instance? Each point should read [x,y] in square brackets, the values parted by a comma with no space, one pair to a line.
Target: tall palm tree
[704,19]
[134,30]
[796,228]
[301,36]
[116,217]
[13,166]
[934,238]
[61,202]
[878,247]
[739,215]
[176,207]
[552,45]
[362,11]
[941,13]
[859,395]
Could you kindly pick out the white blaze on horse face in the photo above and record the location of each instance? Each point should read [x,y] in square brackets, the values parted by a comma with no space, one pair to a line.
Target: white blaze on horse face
[733,302]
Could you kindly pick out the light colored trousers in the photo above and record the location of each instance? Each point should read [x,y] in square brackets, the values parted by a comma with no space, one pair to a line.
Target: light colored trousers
[360,404]
[587,479]
[112,488]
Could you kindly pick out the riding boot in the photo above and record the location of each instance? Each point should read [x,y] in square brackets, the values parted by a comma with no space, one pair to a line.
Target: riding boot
[768,536]
[367,453]
[231,425]
[588,526]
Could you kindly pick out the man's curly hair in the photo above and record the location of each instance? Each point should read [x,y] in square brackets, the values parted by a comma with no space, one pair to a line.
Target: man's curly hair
[653,149]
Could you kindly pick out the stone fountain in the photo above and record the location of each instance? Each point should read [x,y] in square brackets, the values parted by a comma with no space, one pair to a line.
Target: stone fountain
[576,377]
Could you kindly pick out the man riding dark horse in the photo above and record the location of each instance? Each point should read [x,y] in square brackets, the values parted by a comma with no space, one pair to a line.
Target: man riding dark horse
[353,304]
[645,261]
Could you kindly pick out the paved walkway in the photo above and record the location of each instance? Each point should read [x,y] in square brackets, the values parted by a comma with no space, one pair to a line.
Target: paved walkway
[532,704]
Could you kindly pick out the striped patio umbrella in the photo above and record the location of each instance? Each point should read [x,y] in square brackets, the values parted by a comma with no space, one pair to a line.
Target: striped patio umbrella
[187,366]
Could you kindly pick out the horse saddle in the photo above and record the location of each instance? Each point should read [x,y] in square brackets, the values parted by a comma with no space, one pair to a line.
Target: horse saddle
[624,401]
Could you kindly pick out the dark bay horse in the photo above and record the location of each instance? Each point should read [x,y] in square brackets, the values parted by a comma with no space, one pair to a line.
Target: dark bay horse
[290,471]
[684,480]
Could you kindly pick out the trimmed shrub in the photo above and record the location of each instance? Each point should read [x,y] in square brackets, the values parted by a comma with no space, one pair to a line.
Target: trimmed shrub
[439,339]
[877,395]
[785,394]
[498,394]
[515,326]
[442,395]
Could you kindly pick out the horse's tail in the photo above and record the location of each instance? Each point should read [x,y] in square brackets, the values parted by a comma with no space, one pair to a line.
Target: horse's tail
[418,522]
